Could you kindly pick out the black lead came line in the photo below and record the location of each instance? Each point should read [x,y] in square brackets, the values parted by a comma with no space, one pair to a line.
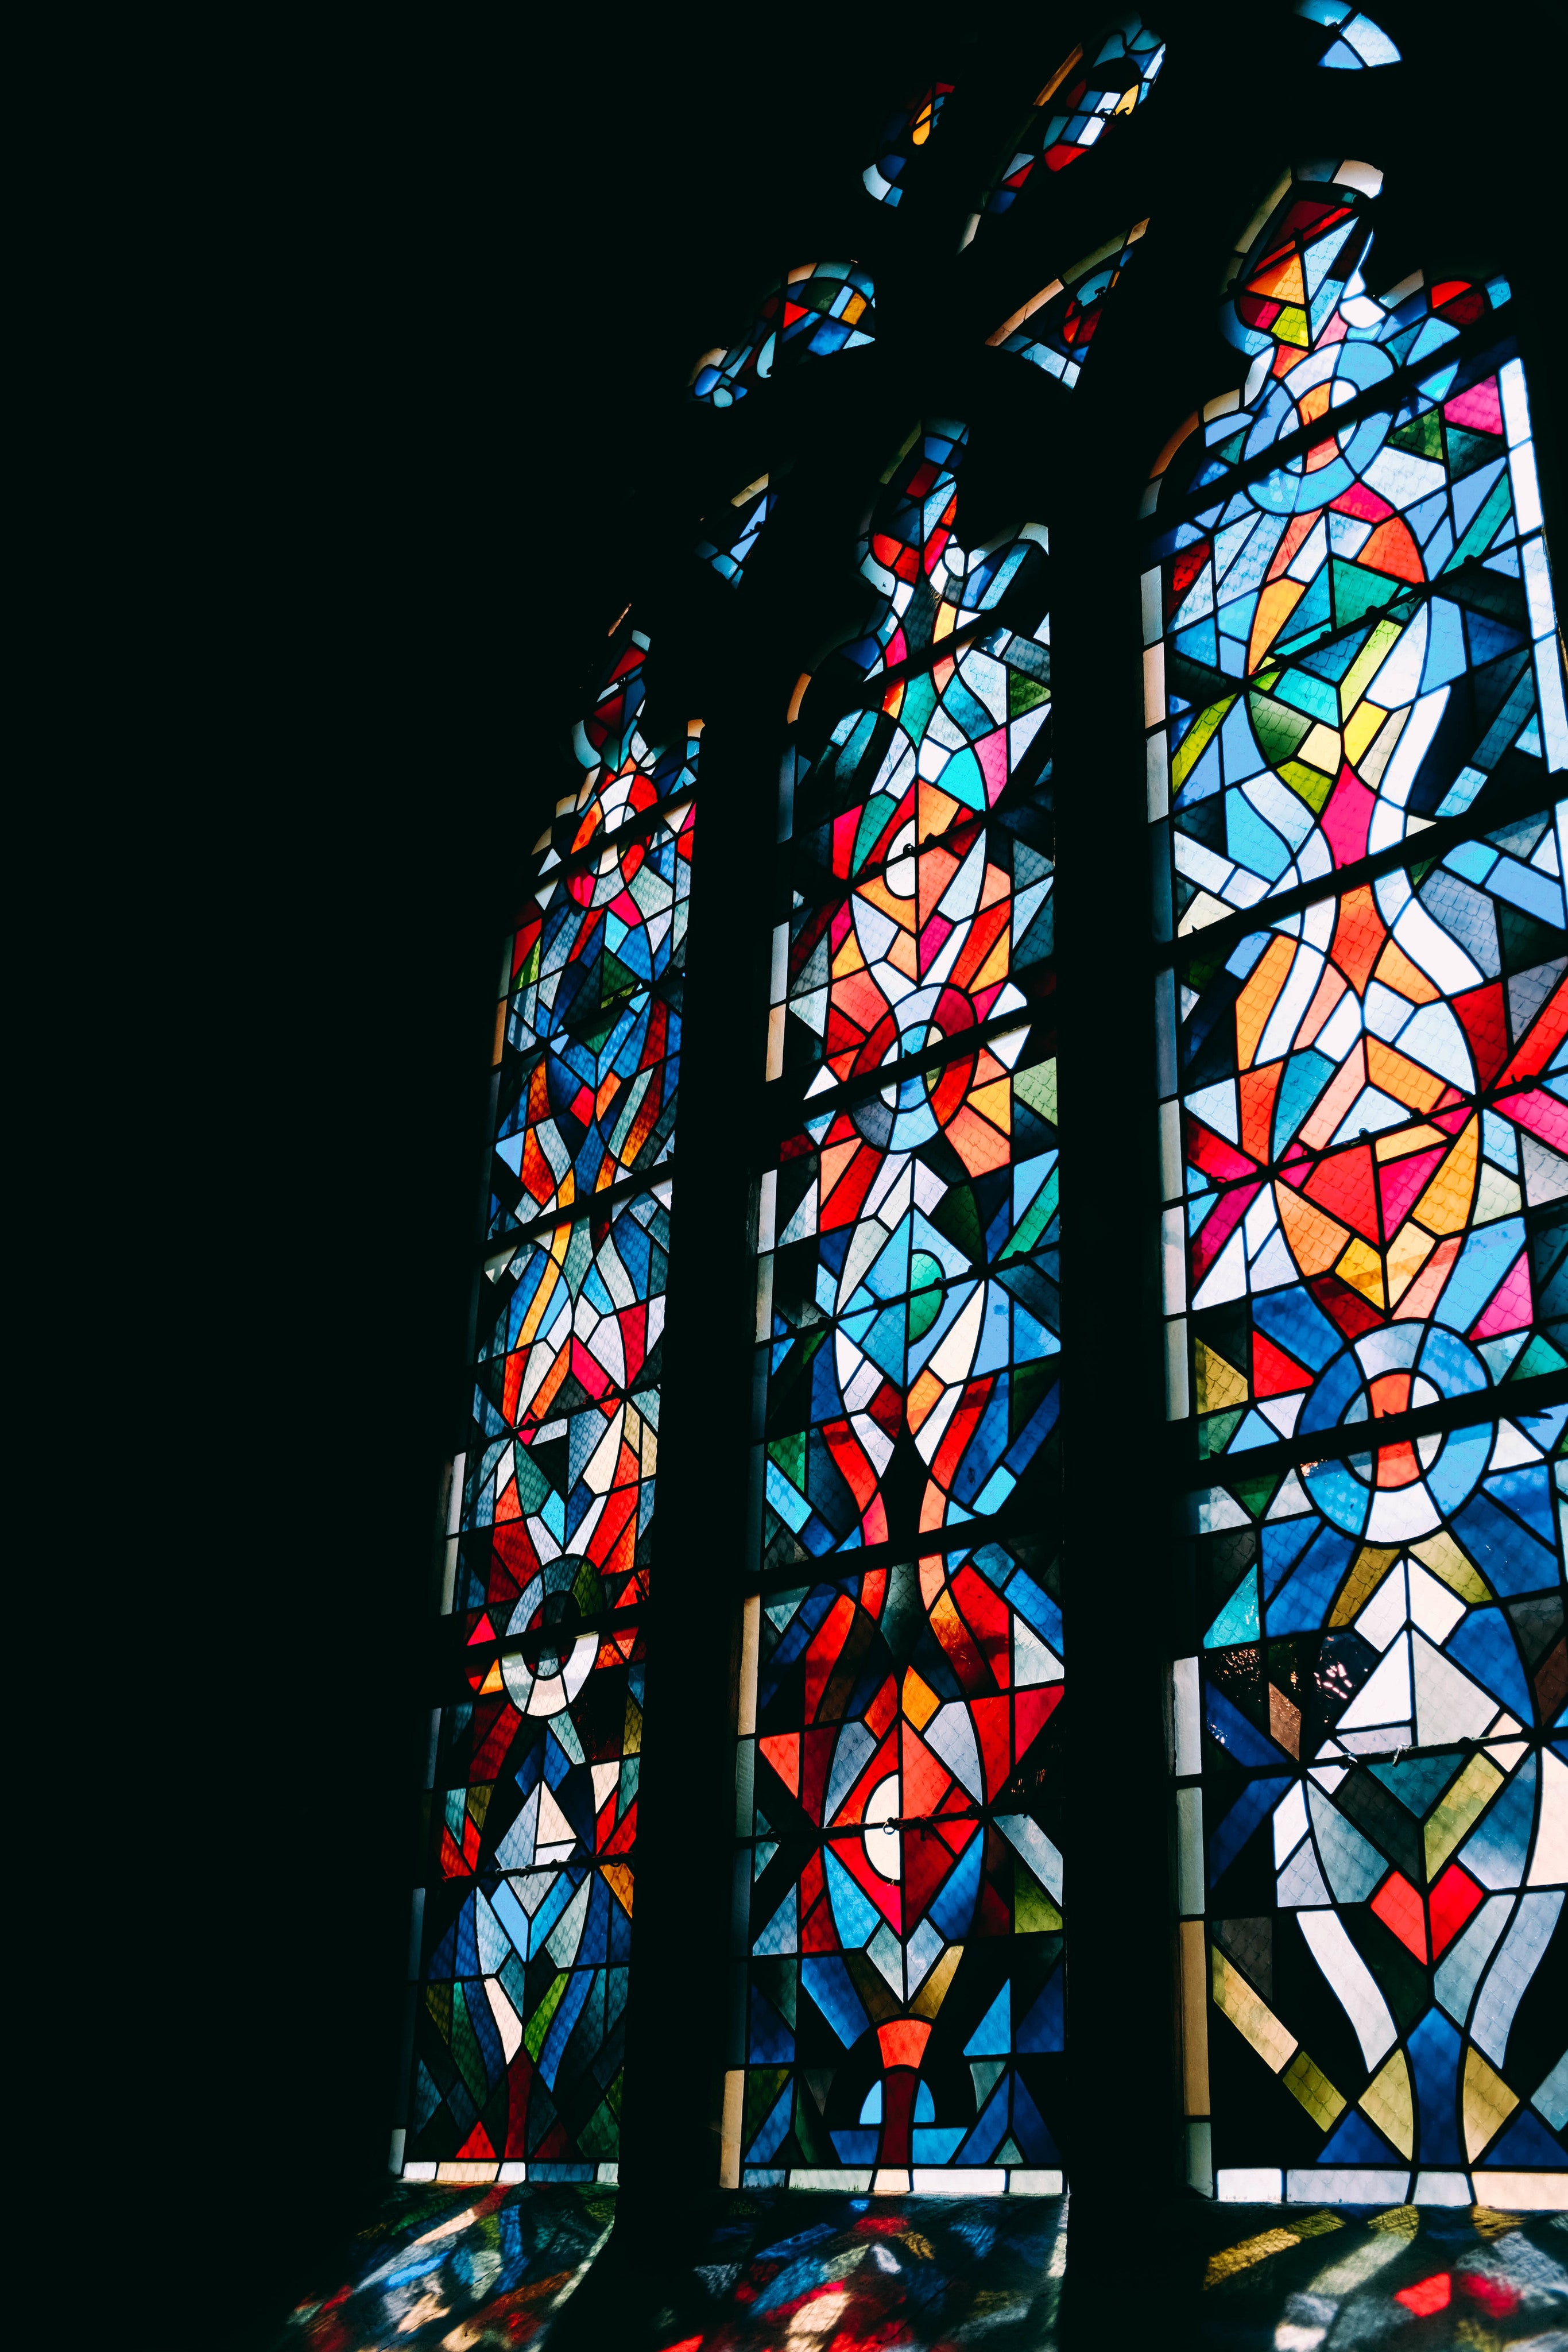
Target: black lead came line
[1481,340]
[1477,1410]
[1432,843]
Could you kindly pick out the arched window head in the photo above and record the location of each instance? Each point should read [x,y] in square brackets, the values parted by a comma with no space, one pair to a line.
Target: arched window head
[821,308]
[592,1030]
[910,130]
[1055,328]
[1092,89]
[914,560]
[1353,41]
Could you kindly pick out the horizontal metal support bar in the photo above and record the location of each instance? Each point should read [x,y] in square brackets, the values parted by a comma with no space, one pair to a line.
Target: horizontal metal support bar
[1391,392]
[1216,940]
[1337,1444]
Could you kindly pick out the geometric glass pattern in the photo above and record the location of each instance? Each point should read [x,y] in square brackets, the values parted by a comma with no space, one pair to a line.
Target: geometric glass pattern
[1353,41]
[1078,104]
[1054,328]
[898,1923]
[524,1930]
[906,134]
[821,308]
[1355,707]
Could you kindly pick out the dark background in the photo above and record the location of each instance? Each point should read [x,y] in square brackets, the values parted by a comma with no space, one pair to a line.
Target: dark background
[393,339]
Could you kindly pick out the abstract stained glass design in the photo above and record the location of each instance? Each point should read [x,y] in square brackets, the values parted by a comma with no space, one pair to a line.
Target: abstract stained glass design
[898,1903]
[1364,1151]
[750,510]
[1096,86]
[1055,327]
[524,1930]
[910,130]
[821,308]
[1353,41]
[590,1014]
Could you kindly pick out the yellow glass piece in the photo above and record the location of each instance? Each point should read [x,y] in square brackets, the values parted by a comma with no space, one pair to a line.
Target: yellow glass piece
[1321,749]
[1309,784]
[1291,327]
[1489,2103]
[1407,1254]
[1361,729]
[1471,1792]
[1194,742]
[1308,2084]
[492,1680]
[1193,2021]
[1386,2102]
[1358,678]
[1362,1268]
[1407,1139]
[1034,1913]
[1218,1384]
[1249,2013]
[1276,602]
[1442,1555]
[1445,1205]
[920,1701]
[1367,1570]
[934,1991]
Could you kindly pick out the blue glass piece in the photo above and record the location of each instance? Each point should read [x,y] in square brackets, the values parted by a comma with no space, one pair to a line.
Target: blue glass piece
[771,2041]
[1042,2028]
[953,1909]
[1303,1603]
[1356,2142]
[1527,2141]
[1527,1495]
[1435,2050]
[1230,1727]
[1283,1542]
[1510,1560]
[1255,1801]
[992,2038]
[1498,1853]
[826,1980]
[1484,1644]
[1031,2129]
[1237,1621]
[774,2129]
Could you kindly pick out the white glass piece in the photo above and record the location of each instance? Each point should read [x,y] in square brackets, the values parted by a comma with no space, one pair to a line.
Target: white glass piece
[1352,1981]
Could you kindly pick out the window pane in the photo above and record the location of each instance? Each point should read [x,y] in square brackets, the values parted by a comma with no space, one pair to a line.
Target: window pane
[1351,671]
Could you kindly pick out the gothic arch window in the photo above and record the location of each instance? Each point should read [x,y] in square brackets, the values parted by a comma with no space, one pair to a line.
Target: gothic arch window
[771,1844]
[1356,714]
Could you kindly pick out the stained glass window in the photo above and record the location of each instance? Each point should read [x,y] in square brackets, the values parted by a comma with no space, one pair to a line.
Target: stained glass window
[898,1918]
[902,141]
[1054,329]
[1096,86]
[1353,735]
[523,1934]
[1355,41]
[1355,716]
[821,308]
